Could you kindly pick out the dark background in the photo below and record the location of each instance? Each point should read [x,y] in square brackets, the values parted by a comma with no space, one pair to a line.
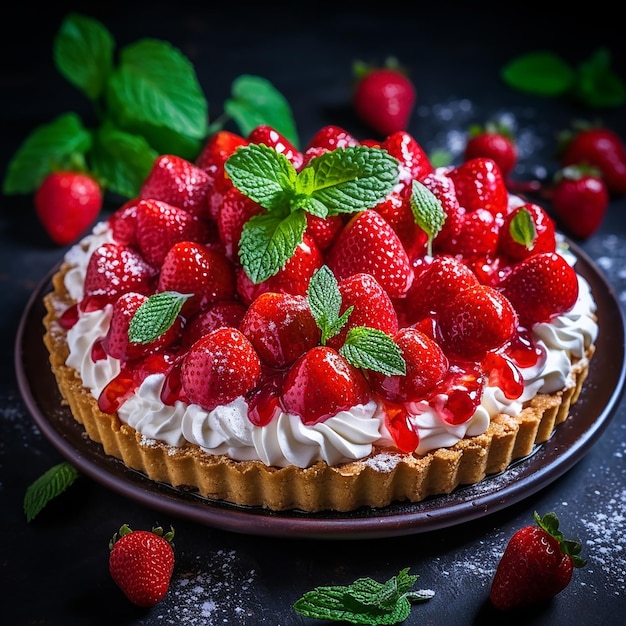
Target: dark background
[54,569]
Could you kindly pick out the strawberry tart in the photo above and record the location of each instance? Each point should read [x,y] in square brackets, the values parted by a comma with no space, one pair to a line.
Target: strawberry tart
[339,327]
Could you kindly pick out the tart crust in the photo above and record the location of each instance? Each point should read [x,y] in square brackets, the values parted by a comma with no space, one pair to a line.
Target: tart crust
[384,477]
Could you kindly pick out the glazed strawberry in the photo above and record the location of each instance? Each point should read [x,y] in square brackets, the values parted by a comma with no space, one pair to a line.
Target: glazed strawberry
[293,278]
[600,148]
[123,223]
[397,212]
[580,200]
[236,210]
[476,320]
[435,284]
[116,342]
[364,293]
[526,230]
[281,327]
[141,563]
[205,274]
[322,368]
[219,368]
[212,158]
[227,313]
[492,141]
[541,287]
[414,162]
[479,234]
[67,203]
[479,184]
[112,270]
[368,244]
[384,98]
[537,564]
[426,367]
[330,138]
[160,225]
[323,230]
[272,138]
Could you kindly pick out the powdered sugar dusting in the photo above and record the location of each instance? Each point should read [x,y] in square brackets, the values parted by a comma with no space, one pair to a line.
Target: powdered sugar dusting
[382,462]
[219,591]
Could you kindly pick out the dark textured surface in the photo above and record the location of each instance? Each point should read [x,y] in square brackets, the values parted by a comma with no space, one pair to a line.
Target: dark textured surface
[54,569]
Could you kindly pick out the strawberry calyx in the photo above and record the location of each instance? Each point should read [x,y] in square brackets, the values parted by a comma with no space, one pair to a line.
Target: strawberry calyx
[125,529]
[361,69]
[550,524]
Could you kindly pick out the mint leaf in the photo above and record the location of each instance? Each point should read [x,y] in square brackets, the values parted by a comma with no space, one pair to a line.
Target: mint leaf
[348,180]
[542,73]
[522,229]
[268,241]
[262,174]
[57,145]
[324,300]
[48,486]
[156,84]
[155,316]
[83,54]
[365,601]
[256,101]
[597,85]
[372,349]
[120,160]
[427,211]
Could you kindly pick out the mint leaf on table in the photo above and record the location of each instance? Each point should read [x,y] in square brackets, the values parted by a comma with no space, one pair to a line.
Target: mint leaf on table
[342,181]
[47,487]
[83,54]
[597,85]
[255,101]
[365,601]
[542,73]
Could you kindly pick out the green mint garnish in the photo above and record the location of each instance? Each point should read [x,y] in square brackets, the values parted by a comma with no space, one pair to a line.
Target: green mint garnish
[427,211]
[365,601]
[365,347]
[544,73]
[155,316]
[148,101]
[342,181]
[47,487]
[325,303]
[373,349]
[522,229]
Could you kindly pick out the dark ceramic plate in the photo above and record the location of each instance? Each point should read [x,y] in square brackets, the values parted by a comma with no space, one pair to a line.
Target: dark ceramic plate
[588,419]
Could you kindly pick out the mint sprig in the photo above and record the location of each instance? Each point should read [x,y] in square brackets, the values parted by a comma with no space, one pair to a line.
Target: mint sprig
[428,212]
[147,100]
[542,72]
[522,229]
[47,487]
[363,347]
[365,601]
[342,181]
[155,316]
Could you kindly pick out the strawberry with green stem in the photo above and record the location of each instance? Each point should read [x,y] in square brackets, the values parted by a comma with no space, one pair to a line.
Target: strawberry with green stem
[494,141]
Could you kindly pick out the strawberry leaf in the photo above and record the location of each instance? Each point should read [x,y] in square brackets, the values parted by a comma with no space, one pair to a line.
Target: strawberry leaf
[372,349]
[256,101]
[427,211]
[57,145]
[47,487]
[542,73]
[83,54]
[142,90]
[365,601]
[268,241]
[325,303]
[155,316]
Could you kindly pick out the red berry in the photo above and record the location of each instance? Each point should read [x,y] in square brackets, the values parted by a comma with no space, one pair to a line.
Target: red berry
[141,563]
[384,99]
[526,230]
[67,203]
[273,139]
[493,142]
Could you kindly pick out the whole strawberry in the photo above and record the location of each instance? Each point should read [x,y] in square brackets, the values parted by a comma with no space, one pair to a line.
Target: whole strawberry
[580,199]
[66,204]
[384,97]
[493,141]
[537,564]
[141,563]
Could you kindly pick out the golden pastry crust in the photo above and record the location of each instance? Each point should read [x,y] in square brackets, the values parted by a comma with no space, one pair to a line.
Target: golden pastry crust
[385,477]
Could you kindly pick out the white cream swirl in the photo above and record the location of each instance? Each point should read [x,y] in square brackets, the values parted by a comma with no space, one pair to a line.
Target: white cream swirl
[285,441]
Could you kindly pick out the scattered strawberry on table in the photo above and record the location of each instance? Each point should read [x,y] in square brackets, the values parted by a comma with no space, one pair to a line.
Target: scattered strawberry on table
[384,97]
[537,564]
[141,563]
